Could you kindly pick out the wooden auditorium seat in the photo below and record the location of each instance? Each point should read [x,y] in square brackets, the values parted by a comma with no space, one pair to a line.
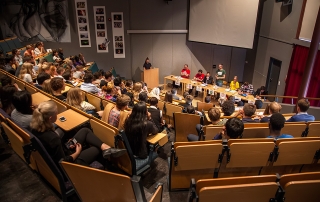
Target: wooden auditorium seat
[94,100]
[172,108]
[295,129]
[199,160]
[62,106]
[161,105]
[314,129]
[202,106]
[211,131]
[157,195]
[99,185]
[257,132]
[185,124]
[21,84]
[31,89]
[105,102]
[104,131]
[222,187]
[16,142]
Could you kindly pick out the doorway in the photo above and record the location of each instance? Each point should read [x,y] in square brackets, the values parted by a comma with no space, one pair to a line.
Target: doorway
[273,77]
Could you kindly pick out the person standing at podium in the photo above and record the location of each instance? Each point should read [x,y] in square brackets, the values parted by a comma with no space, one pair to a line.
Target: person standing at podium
[147,64]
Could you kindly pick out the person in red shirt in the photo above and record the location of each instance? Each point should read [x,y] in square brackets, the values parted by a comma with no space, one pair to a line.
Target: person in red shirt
[198,77]
[185,72]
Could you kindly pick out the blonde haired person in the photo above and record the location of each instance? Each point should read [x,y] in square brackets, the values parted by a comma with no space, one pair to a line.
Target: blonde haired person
[45,67]
[75,99]
[26,72]
[46,87]
[137,89]
[42,127]
[53,71]
[234,84]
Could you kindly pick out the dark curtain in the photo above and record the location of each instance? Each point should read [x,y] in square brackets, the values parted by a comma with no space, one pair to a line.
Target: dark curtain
[295,73]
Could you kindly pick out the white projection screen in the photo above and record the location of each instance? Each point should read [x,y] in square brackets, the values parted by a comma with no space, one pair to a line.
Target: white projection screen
[224,22]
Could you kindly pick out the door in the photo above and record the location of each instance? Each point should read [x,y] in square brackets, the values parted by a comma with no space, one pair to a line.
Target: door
[273,77]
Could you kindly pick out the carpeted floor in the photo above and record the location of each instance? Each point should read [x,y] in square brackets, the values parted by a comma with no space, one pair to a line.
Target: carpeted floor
[19,183]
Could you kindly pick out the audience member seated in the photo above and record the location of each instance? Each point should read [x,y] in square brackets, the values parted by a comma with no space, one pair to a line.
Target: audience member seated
[40,80]
[198,77]
[155,92]
[106,80]
[4,80]
[87,85]
[191,110]
[56,57]
[77,61]
[247,112]
[115,114]
[246,88]
[57,85]
[234,84]
[29,51]
[214,116]
[53,71]
[302,115]
[188,99]
[10,65]
[228,108]
[45,68]
[185,94]
[144,87]
[276,123]
[46,87]
[6,94]
[28,59]
[174,94]
[271,108]
[60,53]
[42,127]
[156,114]
[260,92]
[82,59]
[17,57]
[138,127]
[37,50]
[67,75]
[97,79]
[143,97]
[207,99]
[60,72]
[118,85]
[22,114]
[168,97]
[258,104]
[107,93]
[79,73]
[137,89]
[75,99]
[26,73]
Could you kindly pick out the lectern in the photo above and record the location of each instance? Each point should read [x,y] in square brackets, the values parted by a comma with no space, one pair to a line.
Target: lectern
[151,77]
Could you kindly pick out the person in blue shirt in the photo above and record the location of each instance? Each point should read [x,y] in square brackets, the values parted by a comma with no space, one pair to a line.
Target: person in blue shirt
[302,115]
[276,123]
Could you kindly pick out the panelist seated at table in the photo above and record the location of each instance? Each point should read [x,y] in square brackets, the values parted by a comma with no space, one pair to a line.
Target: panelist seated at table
[246,88]
[208,79]
[260,92]
[147,64]
[185,72]
[71,151]
[198,77]
[234,84]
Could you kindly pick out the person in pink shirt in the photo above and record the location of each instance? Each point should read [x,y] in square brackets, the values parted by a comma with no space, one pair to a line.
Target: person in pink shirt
[198,77]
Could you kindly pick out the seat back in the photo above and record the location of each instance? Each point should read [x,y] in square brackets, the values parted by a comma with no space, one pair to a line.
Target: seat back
[15,140]
[258,132]
[211,131]
[255,125]
[31,89]
[307,190]
[126,162]
[246,192]
[104,131]
[99,185]
[185,124]
[60,105]
[202,106]
[157,196]
[234,181]
[299,177]
[294,129]
[94,100]
[171,108]
[314,128]
[197,156]
[21,84]
[89,116]
[296,151]
[249,153]
[105,102]
[161,105]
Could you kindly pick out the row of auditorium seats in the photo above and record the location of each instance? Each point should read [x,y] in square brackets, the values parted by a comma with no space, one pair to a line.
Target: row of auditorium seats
[289,188]
[8,44]
[241,157]
[22,142]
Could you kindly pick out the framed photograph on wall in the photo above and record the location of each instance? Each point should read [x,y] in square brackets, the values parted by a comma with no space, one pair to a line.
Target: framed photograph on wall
[83,23]
[118,34]
[101,29]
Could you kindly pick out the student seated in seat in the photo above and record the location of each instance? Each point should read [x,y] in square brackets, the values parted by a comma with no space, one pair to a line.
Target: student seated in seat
[302,115]
[138,127]
[271,108]
[57,85]
[276,123]
[214,116]
[22,114]
[88,86]
[247,112]
[115,115]
[42,127]
[233,129]
[156,114]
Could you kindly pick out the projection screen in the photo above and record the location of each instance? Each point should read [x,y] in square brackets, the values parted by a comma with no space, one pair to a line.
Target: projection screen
[224,22]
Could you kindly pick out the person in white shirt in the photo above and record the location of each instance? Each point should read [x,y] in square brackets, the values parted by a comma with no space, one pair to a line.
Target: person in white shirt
[37,50]
[88,86]
[79,73]
[56,57]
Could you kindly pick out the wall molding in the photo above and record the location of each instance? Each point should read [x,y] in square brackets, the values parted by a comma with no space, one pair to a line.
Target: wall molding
[157,31]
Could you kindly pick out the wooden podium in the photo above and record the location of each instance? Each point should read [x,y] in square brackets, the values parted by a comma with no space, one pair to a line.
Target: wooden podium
[151,77]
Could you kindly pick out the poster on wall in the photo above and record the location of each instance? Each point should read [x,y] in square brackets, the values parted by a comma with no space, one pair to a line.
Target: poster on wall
[83,23]
[101,29]
[118,34]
